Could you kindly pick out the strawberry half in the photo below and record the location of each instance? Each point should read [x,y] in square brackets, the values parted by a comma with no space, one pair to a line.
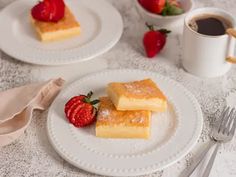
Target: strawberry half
[57,10]
[49,10]
[80,110]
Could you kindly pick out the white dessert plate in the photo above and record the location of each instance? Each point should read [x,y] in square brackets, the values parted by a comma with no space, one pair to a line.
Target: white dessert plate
[101,28]
[173,133]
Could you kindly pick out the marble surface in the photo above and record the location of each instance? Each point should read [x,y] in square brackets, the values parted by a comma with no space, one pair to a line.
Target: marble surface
[32,155]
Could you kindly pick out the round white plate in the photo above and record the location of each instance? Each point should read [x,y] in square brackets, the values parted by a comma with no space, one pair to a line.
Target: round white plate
[173,133]
[101,28]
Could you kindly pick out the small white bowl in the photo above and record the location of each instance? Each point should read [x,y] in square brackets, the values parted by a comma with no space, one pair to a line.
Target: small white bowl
[164,21]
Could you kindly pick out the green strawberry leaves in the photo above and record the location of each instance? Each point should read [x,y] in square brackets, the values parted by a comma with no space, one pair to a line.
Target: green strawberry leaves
[89,95]
[87,99]
[94,102]
[164,31]
[171,10]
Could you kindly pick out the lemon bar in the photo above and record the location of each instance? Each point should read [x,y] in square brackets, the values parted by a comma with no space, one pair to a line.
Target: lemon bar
[65,28]
[137,95]
[112,123]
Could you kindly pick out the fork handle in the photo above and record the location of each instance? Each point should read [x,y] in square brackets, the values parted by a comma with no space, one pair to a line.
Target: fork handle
[188,171]
[211,162]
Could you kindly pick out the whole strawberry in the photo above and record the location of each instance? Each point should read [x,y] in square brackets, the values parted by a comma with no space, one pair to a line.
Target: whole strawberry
[154,6]
[154,41]
[145,4]
[49,10]
[80,110]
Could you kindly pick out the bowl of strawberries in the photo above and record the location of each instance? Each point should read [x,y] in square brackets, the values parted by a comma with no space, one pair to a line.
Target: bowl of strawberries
[163,12]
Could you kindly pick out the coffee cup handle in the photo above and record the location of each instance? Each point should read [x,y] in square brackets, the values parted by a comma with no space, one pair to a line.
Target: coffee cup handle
[232,33]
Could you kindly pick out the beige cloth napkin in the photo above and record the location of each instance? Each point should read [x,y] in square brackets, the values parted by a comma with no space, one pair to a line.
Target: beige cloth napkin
[17,105]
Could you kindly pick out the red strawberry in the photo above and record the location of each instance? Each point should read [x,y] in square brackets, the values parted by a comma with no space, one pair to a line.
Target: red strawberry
[144,3]
[49,10]
[41,11]
[80,111]
[157,6]
[154,41]
[57,10]
[154,6]
[73,102]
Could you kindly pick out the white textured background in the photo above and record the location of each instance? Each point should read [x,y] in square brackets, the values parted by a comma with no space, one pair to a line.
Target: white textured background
[32,155]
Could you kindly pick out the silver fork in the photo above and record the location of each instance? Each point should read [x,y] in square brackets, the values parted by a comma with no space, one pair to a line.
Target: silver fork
[222,131]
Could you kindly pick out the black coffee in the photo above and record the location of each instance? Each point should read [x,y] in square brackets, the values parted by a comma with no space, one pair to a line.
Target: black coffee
[211,25]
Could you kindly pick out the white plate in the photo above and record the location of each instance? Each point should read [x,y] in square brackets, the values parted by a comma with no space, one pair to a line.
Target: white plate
[173,133]
[101,26]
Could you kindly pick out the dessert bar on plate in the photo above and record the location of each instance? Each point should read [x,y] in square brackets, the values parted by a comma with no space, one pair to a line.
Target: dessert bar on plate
[112,123]
[53,31]
[137,95]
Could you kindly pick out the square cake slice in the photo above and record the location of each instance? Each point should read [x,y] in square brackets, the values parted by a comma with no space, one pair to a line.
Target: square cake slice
[112,123]
[137,95]
[53,31]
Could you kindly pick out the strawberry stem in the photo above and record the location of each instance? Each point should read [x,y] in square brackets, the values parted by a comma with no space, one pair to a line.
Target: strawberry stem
[150,27]
[164,31]
[86,100]
[94,102]
[89,94]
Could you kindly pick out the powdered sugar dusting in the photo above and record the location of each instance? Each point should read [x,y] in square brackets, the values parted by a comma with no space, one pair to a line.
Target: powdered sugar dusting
[137,89]
[132,88]
[137,120]
[105,113]
[162,128]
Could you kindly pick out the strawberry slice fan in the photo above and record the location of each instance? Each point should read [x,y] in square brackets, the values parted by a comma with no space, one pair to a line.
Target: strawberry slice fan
[80,110]
[49,10]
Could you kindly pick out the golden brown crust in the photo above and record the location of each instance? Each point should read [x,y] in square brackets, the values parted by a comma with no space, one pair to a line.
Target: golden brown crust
[108,115]
[144,89]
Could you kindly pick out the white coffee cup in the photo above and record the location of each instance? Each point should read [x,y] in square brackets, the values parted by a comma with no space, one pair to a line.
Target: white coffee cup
[204,55]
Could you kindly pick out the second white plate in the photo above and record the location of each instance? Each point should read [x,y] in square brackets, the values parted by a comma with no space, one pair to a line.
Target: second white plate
[101,28]
[173,133]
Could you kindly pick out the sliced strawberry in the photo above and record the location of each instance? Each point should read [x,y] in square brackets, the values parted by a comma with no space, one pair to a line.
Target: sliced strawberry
[70,103]
[80,111]
[73,101]
[85,116]
[49,10]
[57,10]
[75,111]
[72,108]
[41,11]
